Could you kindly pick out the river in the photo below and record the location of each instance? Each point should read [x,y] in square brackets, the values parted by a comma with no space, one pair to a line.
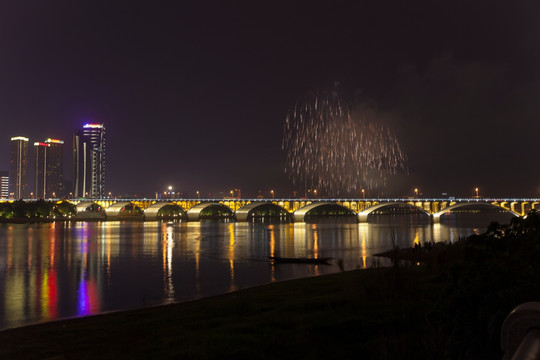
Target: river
[59,270]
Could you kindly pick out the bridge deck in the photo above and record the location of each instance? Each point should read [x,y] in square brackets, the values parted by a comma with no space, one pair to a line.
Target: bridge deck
[435,207]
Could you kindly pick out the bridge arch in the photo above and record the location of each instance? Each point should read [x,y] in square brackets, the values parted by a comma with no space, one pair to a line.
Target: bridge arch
[328,208]
[90,210]
[124,209]
[261,210]
[363,215]
[437,215]
[175,211]
[209,210]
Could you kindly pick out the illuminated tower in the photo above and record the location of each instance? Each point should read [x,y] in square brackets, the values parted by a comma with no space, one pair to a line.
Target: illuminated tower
[4,185]
[18,186]
[89,161]
[49,169]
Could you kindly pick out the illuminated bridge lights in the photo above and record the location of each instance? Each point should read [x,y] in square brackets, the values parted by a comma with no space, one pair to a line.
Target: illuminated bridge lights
[242,209]
[298,208]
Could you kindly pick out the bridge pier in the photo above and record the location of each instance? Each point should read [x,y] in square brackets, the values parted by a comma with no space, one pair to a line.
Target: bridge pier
[434,207]
[362,218]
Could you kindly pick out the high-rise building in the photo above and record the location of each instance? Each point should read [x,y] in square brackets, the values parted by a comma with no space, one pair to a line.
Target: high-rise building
[4,185]
[40,162]
[18,186]
[89,161]
[49,169]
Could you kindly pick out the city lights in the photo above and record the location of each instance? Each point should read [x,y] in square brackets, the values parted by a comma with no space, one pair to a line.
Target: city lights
[89,161]
[249,142]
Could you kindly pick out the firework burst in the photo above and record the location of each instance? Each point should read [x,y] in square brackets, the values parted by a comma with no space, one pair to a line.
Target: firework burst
[335,149]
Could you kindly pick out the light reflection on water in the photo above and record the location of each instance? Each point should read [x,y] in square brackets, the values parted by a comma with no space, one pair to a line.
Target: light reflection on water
[58,270]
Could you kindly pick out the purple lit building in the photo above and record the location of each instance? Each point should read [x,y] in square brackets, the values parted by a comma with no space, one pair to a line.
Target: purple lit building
[89,162]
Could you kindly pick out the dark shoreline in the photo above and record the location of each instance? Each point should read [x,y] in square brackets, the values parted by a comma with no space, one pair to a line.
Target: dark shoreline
[276,320]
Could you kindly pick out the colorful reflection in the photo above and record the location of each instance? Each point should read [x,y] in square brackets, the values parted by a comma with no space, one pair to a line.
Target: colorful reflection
[50,271]
[167,245]
[231,254]
[51,302]
[363,230]
[88,299]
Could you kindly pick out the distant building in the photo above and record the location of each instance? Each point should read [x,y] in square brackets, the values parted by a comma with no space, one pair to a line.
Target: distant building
[68,189]
[4,185]
[49,169]
[18,185]
[40,162]
[89,161]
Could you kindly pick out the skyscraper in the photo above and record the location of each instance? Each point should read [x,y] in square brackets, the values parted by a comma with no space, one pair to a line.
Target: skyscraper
[18,186]
[40,162]
[89,161]
[49,169]
[4,185]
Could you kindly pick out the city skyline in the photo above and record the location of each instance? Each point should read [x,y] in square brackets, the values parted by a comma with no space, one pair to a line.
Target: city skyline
[88,175]
[195,95]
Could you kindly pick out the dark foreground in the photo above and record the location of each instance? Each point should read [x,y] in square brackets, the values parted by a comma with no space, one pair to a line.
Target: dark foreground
[338,315]
[452,306]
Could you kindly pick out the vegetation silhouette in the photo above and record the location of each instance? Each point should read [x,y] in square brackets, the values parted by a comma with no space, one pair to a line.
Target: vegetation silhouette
[39,210]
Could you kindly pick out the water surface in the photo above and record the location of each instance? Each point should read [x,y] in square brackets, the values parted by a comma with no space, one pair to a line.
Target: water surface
[58,270]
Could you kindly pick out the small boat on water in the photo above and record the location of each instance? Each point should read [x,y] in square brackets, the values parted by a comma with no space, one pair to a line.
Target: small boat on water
[299,260]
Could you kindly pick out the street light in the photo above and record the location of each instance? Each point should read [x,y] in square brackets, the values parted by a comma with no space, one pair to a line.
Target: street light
[198,194]
[476,191]
[363,194]
[272,192]
[416,192]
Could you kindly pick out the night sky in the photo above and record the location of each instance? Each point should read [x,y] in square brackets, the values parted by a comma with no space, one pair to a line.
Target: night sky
[194,94]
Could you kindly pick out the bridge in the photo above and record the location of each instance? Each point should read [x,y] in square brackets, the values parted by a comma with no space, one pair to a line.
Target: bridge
[292,209]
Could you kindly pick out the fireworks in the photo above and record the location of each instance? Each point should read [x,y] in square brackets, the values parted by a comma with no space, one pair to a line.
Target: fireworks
[333,148]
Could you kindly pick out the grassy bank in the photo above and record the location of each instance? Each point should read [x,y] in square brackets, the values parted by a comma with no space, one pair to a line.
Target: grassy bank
[452,306]
[373,313]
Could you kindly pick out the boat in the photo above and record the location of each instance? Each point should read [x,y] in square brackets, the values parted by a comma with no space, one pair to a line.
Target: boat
[299,260]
